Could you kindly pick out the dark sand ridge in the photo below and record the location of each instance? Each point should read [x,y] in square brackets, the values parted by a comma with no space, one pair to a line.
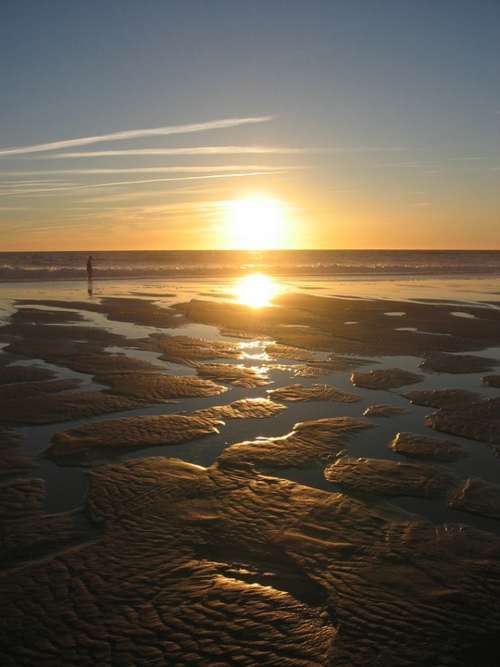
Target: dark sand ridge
[455,399]
[82,349]
[33,390]
[153,295]
[478,497]
[462,413]
[61,407]
[415,445]
[309,441]
[128,391]
[138,432]
[118,309]
[216,566]
[325,316]
[10,461]
[186,350]
[376,334]
[492,381]
[254,408]
[391,478]
[278,351]
[158,388]
[26,532]
[6,359]
[322,439]
[129,433]
[26,537]
[385,378]
[189,351]
[419,480]
[21,496]
[479,421]
[240,376]
[319,368]
[28,315]
[131,382]
[441,362]
[315,392]
[12,374]
[9,438]
[79,348]
[65,347]
[382,410]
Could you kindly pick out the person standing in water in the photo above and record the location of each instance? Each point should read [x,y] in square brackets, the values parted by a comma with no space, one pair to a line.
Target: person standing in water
[90,275]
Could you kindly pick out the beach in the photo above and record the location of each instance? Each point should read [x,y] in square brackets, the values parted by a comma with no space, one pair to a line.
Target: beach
[251,469]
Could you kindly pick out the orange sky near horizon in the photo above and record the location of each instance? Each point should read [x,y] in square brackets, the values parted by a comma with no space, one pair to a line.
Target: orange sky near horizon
[214,213]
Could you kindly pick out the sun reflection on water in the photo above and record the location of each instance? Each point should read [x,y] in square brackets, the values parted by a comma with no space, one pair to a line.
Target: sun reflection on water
[256,290]
[255,350]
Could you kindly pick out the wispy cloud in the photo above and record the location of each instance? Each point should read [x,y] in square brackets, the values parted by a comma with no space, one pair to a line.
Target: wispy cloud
[143,181]
[180,178]
[30,191]
[27,184]
[143,194]
[193,150]
[221,150]
[16,208]
[199,169]
[465,159]
[135,134]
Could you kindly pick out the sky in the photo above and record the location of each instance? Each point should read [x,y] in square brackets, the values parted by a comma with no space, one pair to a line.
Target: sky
[145,125]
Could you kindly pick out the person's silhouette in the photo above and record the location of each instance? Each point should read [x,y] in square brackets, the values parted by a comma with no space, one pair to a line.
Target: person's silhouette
[90,275]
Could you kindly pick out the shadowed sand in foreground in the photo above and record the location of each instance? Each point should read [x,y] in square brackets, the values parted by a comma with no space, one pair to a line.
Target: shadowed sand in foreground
[291,544]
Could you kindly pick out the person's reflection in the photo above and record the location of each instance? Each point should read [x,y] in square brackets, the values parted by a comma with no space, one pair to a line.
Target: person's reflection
[90,276]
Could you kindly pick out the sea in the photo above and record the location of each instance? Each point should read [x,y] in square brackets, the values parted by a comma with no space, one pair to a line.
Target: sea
[151,264]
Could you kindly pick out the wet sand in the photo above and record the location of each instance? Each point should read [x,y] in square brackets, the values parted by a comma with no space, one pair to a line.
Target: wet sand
[190,480]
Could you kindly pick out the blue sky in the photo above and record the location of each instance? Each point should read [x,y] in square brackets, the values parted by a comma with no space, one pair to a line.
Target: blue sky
[394,105]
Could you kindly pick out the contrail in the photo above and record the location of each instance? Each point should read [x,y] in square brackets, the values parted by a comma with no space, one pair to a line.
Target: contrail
[135,134]
[194,150]
[140,182]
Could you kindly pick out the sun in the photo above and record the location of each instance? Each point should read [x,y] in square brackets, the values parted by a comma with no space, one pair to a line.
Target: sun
[256,223]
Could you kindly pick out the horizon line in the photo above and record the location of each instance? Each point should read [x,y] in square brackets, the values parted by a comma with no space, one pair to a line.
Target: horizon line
[3,252]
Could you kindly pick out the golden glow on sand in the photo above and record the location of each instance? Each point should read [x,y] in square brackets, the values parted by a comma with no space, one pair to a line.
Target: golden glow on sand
[256,290]
[256,223]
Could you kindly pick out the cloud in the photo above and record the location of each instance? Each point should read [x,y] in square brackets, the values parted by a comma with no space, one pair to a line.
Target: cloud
[220,150]
[194,150]
[30,191]
[143,194]
[180,178]
[148,170]
[135,134]
[466,158]
[143,181]
[27,184]
[16,208]
[19,187]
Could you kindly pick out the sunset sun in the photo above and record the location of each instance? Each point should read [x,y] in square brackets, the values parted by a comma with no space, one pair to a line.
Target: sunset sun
[256,223]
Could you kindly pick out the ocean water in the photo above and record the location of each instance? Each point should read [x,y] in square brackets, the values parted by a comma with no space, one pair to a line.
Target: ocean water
[49,266]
